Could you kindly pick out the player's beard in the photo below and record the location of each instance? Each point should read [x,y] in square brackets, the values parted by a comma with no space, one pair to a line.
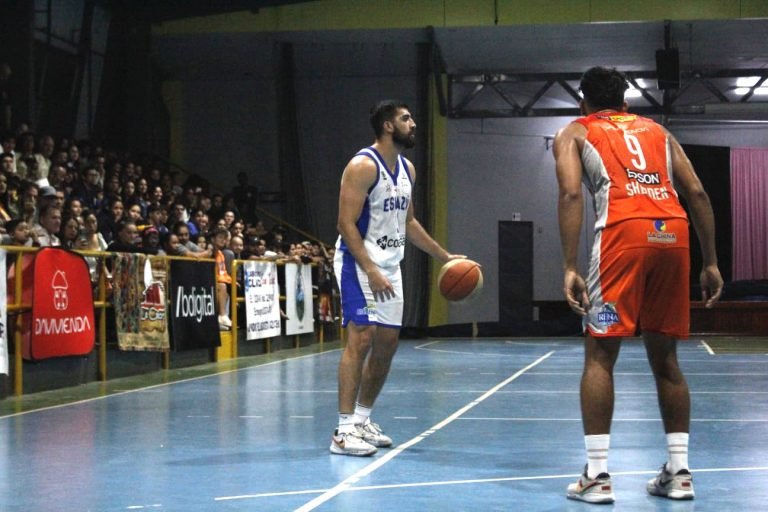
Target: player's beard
[404,140]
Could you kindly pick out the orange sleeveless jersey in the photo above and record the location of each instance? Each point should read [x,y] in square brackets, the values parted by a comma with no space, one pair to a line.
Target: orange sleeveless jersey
[639,266]
[628,167]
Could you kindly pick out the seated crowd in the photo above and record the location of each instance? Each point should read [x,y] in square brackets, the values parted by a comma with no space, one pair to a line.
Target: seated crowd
[81,197]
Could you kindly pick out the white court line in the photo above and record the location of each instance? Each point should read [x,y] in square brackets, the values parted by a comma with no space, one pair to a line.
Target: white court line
[706,374]
[562,356]
[164,384]
[478,481]
[699,420]
[706,346]
[349,481]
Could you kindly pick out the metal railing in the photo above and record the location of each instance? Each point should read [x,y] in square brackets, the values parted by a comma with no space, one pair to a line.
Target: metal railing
[102,301]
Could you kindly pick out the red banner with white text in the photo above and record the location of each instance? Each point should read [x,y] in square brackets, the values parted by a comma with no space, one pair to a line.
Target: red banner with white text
[62,306]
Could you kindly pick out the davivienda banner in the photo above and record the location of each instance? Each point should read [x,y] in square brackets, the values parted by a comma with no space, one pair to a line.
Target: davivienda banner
[62,306]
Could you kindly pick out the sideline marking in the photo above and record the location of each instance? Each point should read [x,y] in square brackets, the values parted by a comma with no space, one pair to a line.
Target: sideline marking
[628,420]
[706,346]
[164,384]
[476,481]
[354,478]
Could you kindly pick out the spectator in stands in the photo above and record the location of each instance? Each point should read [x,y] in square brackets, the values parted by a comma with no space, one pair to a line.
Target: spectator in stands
[88,190]
[91,239]
[229,218]
[28,204]
[110,219]
[46,195]
[190,198]
[204,203]
[237,229]
[86,153]
[73,206]
[8,203]
[49,225]
[216,209]
[154,177]
[168,183]
[129,172]
[26,162]
[9,163]
[156,195]
[156,216]
[246,198]
[251,249]
[44,156]
[198,223]
[61,198]
[142,193]
[126,238]
[150,240]
[19,234]
[134,213]
[69,232]
[169,243]
[112,189]
[73,158]
[57,177]
[325,284]
[128,192]
[178,214]
[236,246]
[186,246]
[219,241]
[9,144]
[202,242]
[60,157]
[259,229]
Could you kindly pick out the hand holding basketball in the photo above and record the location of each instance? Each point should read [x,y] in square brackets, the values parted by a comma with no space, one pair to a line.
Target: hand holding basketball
[460,279]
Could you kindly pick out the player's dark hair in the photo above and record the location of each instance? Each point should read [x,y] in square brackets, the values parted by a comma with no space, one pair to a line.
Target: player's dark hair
[604,87]
[382,112]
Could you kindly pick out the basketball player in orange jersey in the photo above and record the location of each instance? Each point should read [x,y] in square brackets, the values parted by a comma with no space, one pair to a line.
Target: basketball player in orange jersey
[639,269]
[375,220]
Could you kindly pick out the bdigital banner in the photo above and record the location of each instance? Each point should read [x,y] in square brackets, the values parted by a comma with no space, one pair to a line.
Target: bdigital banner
[140,284]
[62,306]
[3,316]
[298,299]
[262,299]
[194,322]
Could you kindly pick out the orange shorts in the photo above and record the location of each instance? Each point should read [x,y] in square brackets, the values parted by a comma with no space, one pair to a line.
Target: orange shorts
[639,277]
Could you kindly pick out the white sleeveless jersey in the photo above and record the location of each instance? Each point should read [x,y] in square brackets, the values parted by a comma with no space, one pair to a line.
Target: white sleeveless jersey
[382,220]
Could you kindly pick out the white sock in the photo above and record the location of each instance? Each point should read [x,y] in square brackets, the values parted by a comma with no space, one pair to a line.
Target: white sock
[597,454]
[346,422]
[362,413]
[677,446]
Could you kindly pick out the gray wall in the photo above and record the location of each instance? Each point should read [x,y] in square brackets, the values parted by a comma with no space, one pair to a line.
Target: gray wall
[495,166]
[501,166]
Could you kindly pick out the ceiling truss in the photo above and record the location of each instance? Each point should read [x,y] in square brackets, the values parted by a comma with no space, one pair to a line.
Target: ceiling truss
[461,90]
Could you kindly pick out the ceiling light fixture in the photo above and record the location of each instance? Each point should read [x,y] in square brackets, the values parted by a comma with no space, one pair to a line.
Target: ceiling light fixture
[760,91]
[747,81]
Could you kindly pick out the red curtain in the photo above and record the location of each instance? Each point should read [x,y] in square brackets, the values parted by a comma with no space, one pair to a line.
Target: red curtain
[749,213]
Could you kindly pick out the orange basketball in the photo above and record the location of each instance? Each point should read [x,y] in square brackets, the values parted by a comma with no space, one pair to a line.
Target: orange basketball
[460,279]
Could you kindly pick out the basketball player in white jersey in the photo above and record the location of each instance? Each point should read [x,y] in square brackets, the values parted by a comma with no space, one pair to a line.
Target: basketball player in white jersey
[375,220]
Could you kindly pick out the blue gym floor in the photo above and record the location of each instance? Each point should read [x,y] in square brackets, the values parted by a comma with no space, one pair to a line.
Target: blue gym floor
[485,424]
